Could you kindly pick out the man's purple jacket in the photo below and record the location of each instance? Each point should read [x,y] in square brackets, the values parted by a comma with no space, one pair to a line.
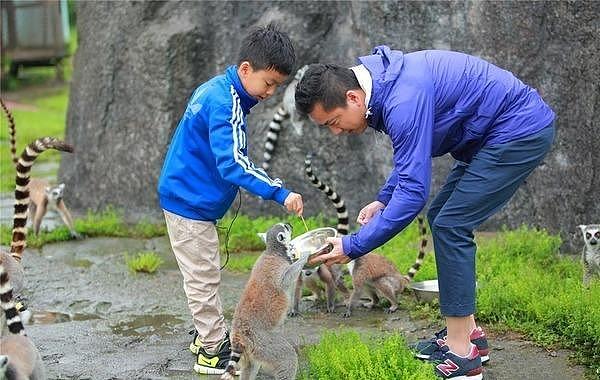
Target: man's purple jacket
[431,103]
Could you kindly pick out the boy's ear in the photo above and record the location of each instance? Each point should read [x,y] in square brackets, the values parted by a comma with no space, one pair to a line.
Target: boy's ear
[245,67]
[262,236]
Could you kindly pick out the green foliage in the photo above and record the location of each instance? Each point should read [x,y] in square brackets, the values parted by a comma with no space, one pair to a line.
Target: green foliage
[143,262]
[525,285]
[347,356]
[44,117]
[105,223]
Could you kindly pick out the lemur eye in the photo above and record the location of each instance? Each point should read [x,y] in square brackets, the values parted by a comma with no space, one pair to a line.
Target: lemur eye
[280,237]
[597,235]
[588,235]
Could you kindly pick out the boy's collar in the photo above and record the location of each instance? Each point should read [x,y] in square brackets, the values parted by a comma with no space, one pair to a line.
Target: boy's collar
[246,100]
[366,83]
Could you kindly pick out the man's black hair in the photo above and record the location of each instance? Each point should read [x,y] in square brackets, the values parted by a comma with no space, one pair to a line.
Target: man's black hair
[268,48]
[325,84]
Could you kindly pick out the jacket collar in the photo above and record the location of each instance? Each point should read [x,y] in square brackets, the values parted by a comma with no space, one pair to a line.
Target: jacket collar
[384,65]
[246,100]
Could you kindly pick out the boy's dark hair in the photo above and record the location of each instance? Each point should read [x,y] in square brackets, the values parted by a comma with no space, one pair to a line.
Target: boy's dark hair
[268,48]
[325,84]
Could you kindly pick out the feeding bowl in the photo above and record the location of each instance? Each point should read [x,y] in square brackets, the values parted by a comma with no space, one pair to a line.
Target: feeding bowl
[313,242]
[425,291]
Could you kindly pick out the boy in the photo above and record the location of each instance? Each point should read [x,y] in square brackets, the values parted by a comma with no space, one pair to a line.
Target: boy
[205,165]
[431,103]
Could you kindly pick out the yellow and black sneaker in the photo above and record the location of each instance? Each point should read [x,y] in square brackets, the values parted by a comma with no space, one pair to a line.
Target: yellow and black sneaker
[213,364]
[196,344]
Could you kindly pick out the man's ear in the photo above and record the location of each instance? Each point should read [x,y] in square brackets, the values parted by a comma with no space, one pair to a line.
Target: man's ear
[353,98]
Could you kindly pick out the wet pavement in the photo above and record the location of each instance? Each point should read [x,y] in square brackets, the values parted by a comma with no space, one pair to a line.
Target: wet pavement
[93,319]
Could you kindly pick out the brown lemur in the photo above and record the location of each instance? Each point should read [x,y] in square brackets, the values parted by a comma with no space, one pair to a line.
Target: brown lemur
[256,339]
[43,195]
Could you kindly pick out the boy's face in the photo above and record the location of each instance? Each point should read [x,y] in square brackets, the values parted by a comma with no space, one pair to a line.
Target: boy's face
[260,84]
[349,119]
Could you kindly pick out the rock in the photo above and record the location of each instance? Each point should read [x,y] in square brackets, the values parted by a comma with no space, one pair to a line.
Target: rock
[137,64]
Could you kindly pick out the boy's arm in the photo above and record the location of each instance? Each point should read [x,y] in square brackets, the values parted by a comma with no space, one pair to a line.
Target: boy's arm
[228,143]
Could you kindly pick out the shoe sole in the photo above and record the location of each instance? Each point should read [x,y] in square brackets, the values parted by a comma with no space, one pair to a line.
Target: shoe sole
[484,359]
[210,371]
[465,377]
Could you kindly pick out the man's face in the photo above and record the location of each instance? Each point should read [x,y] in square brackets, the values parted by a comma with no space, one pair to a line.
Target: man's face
[349,119]
[260,84]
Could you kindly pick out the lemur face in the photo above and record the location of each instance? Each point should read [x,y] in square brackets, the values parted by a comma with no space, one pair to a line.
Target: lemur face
[591,236]
[55,193]
[279,236]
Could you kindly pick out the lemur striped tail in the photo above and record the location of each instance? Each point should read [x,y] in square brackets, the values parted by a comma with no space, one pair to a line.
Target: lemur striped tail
[274,128]
[30,153]
[417,265]
[236,353]
[338,202]
[7,303]
[12,132]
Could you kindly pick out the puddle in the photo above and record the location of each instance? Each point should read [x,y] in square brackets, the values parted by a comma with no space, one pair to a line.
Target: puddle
[52,317]
[145,325]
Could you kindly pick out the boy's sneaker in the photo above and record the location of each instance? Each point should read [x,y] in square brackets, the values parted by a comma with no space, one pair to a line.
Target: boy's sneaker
[448,365]
[196,344]
[212,364]
[425,348]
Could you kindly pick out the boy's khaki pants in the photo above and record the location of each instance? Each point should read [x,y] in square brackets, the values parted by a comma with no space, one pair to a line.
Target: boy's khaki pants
[196,247]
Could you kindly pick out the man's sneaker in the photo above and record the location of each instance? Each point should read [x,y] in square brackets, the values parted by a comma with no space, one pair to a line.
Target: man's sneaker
[213,364]
[425,348]
[448,365]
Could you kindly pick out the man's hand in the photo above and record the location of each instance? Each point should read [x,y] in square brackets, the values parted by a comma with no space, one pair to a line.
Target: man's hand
[366,214]
[336,256]
[294,203]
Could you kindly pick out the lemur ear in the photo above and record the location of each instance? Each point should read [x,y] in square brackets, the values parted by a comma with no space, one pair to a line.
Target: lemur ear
[281,237]
[582,227]
[262,236]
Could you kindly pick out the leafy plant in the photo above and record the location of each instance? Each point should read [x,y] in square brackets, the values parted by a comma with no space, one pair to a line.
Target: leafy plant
[345,355]
[144,262]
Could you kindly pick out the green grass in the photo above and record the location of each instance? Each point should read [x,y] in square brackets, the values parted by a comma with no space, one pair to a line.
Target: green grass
[47,118]
[345,355]
[106,223]
[143,262]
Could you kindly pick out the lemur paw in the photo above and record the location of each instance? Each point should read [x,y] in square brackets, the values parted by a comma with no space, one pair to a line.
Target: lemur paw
[347,314]
[391,310]
[293,313]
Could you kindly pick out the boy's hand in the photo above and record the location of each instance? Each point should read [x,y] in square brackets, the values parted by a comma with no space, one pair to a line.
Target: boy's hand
[366,214]
[294,203]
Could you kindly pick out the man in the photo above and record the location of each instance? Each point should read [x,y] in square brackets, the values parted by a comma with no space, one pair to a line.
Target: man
[431,103]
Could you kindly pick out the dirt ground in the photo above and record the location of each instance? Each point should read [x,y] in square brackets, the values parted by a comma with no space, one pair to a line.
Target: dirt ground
[95,320]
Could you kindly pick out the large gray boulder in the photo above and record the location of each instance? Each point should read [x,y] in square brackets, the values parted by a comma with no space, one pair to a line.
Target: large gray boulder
[138,62]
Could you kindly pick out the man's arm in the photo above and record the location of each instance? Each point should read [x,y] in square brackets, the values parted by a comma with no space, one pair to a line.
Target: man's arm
[411,129]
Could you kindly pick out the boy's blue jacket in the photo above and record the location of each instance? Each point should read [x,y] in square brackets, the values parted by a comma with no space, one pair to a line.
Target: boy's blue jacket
[431,103]
[208,160]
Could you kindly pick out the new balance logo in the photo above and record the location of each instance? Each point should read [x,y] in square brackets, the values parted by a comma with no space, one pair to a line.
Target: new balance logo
[447,367]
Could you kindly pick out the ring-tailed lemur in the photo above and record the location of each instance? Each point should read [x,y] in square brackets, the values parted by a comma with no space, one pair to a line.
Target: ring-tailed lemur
[590,257]
[255,339]
[286,110]
[373,271]
[330,276]
[41,193]
[12,260]
[19,358]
